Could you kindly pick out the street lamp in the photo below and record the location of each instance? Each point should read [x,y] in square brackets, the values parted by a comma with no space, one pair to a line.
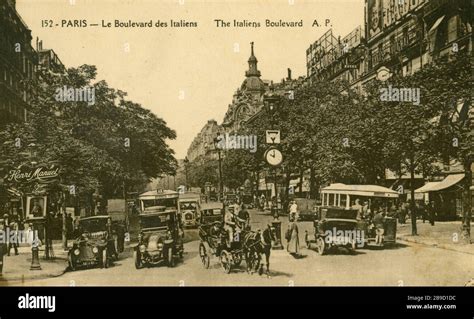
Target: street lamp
[186,162]
[216,146]
[271,102]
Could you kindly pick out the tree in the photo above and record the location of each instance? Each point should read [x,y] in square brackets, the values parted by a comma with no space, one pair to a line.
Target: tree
[109,143]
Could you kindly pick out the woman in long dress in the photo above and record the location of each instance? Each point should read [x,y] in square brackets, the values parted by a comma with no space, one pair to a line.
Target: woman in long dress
[293,246]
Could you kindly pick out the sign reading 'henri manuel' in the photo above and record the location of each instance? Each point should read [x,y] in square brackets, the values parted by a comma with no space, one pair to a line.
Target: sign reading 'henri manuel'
[40,174]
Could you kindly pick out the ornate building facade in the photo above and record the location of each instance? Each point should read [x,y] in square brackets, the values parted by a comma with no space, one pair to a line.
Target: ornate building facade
[246,105]
[248,99]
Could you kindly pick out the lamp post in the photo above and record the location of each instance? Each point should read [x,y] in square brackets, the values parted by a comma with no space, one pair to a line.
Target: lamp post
[271,103]
[186,162]
[216,146]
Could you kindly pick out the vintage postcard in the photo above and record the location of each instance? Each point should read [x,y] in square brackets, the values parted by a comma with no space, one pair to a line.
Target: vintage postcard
[236,143]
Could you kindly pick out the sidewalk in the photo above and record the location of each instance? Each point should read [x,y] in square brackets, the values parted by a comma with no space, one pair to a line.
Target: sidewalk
[17,268]
[445,235]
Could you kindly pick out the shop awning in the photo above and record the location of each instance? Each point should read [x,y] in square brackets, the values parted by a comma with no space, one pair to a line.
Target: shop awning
[427,187]
[437,23]
[449,181]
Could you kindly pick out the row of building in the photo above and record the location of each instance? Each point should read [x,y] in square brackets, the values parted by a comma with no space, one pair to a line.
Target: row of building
[19,62]
[398,37]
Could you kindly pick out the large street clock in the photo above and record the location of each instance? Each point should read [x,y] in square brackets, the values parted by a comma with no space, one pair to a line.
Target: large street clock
[273,156]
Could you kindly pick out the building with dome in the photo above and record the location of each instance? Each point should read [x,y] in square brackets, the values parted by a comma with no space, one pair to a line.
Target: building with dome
[248,99]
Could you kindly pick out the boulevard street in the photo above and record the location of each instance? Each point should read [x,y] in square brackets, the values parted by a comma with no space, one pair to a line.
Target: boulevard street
[406,264]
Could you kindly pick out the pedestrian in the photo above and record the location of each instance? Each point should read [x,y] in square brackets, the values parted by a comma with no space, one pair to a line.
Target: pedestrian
[244,215]
[3,246]
[379,223]
[293,211]
[292,237]
[13,235]
[431,212]
[69,226]
[358,207]
[403,214]
[423,209]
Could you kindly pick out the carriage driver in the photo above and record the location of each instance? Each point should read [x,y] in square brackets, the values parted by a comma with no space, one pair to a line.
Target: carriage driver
[231,221]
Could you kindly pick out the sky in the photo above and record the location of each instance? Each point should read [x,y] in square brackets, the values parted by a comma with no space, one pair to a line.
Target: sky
[186,76]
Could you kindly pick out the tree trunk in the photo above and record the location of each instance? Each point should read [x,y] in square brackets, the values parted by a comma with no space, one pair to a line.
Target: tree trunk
[301,181]
[412,199]
[312,184]
[467,209]
[64,228]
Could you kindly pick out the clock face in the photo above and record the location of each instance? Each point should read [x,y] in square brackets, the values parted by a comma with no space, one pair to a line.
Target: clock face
[274,157]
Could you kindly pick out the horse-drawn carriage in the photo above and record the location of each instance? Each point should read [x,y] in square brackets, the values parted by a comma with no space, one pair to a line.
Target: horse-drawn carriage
[246,245]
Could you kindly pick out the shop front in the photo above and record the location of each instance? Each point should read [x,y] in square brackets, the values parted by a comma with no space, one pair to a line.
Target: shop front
[446,196]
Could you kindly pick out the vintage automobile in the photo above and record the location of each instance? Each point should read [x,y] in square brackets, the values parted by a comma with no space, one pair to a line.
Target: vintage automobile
[190,207]
[344,196]
[335,227]
[307,209]
[100,241]
[160,238]
[211,212]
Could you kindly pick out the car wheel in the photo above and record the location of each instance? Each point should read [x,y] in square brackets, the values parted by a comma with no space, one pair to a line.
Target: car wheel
[116,247]
[137,259]
[72,262]
[170,258]
[226,261]
[105,259]
[320,246]
[205,259]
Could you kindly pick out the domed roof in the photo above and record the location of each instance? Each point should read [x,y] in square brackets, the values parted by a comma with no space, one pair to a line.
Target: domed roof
[253,83]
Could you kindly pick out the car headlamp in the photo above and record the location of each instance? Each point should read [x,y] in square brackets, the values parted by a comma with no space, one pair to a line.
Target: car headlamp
[76,252]
[142,248]
[95,250]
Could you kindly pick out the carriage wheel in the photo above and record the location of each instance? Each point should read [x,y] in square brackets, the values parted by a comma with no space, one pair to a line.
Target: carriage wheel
[226,261]
[320,246]
[237,259]
[205,259]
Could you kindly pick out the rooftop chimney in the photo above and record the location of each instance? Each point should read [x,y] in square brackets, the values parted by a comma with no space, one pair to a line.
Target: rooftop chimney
[289,74]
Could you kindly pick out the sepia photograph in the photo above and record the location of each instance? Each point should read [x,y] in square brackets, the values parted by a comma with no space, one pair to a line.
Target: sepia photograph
[201,143]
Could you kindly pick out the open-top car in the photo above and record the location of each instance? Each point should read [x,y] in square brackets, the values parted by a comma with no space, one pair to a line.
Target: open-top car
[99,242]
[335,227]
[160,238]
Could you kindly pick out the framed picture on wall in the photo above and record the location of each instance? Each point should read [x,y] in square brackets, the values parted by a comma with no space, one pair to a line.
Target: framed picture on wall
[36,206]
